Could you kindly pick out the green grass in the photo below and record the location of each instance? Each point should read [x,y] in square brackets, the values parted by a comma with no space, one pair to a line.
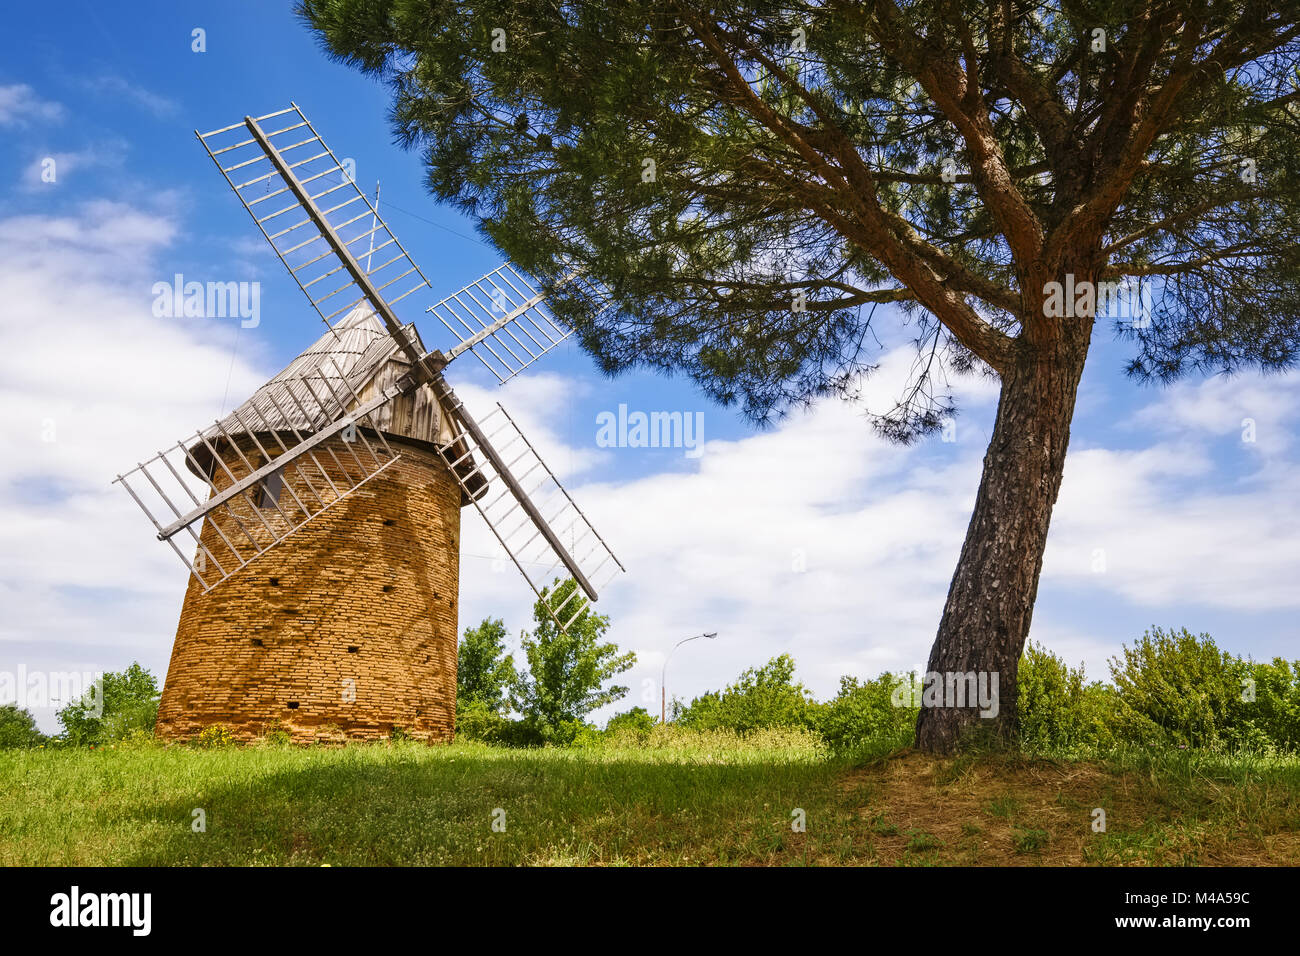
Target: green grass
[1004,807]
[678,799]
[712,800]
[1028,840]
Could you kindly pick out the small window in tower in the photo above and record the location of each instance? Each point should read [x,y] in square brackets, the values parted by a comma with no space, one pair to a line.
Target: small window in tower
[271,487]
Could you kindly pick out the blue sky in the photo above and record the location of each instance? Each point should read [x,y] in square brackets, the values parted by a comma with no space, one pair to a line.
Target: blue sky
[812,538]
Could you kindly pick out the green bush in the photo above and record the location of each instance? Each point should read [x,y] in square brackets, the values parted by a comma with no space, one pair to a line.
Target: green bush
[476,720]
[18,729]
[129,703]
[868,712]
[1175,688]
[637,721]
[1275,711]
[521,733]
[763,697]
[1171,689]
[1058,708]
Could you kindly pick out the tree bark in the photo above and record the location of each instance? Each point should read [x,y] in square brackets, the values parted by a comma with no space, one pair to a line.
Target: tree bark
[991,599]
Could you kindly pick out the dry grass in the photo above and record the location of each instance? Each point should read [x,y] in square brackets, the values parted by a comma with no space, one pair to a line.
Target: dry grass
[1010,811]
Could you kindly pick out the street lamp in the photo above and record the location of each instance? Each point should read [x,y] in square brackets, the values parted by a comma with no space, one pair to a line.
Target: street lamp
[663,677]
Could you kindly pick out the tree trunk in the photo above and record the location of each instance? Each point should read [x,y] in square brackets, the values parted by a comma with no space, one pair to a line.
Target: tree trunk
[991,599]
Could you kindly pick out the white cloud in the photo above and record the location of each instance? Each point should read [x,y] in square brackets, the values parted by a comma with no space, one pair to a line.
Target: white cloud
[20,106]
[1258,410]
[112,85]
[1163,541]
[91,381]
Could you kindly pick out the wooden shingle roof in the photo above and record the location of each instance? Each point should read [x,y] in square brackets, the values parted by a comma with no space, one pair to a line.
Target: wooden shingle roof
[345,367]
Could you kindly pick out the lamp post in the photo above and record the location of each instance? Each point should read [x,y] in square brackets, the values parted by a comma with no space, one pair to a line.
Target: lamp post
[663,677]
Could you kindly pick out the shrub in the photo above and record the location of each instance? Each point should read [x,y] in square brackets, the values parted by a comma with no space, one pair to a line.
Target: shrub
[18,728]
[867,712]
[1175,688]
[520,733]
[1058,708]
[586,736]
[476,720]
[636,722]
[767,696]
[1275,711]
[125,702]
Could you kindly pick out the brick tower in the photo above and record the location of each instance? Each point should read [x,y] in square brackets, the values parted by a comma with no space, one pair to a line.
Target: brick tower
[347,628]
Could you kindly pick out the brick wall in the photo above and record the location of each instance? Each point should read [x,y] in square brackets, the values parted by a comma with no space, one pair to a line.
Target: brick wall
[358,603]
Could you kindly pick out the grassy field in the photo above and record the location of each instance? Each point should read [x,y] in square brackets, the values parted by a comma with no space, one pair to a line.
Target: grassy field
[683,800]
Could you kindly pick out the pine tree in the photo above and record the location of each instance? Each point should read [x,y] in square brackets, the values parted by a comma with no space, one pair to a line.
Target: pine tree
[755,186]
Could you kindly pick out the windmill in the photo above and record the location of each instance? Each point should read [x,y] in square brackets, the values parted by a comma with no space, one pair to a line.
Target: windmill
[323,513]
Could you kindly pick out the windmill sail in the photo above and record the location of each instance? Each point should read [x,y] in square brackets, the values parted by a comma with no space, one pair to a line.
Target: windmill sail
[529,512]
[503,321]
[232,491]
[307,205]
[315,434]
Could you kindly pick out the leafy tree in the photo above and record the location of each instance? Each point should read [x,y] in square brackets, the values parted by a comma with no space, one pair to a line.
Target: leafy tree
[763,697]
[129,703]
[748,185]
[18,728]
[484,671]
[567,671]
[477,721]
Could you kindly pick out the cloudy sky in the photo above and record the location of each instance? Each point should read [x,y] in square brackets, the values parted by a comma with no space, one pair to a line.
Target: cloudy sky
[813,538]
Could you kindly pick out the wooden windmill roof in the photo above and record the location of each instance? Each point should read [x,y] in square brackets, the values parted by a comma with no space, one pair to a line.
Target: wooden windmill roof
[348,365]
[346,357]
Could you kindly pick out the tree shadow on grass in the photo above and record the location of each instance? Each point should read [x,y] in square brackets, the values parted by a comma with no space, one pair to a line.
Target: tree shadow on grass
[527,807]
